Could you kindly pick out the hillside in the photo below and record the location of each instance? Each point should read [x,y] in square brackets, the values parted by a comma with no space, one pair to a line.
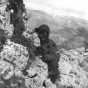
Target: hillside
[64,30]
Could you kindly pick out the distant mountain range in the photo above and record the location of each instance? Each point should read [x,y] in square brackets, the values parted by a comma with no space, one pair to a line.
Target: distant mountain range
[66,31]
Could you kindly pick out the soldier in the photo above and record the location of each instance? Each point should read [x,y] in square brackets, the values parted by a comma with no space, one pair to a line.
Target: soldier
[47,50]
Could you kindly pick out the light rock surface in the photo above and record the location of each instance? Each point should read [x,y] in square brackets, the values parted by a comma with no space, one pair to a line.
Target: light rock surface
[13,59]
[72,66]
[72,73]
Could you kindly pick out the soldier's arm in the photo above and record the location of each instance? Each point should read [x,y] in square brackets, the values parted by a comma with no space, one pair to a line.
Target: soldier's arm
[53,46]
[38,51]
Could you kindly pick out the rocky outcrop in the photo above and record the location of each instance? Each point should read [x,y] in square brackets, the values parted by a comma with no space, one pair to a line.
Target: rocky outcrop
[72,67]
[13,59]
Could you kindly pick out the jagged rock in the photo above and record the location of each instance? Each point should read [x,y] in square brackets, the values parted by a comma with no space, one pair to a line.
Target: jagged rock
[6,69]
[72,67]
[37,74]
[71,72]
[5,20]
[15,53]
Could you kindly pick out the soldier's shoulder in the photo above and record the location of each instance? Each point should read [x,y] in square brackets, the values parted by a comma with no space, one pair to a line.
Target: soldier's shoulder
[51,42]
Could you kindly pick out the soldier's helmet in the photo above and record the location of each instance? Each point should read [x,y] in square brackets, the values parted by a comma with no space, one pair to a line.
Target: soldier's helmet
[43,29]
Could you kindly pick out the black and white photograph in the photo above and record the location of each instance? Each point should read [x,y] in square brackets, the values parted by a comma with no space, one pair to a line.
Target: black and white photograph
[43,43]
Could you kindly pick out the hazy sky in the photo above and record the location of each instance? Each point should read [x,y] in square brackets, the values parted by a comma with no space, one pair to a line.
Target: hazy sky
[78,8]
